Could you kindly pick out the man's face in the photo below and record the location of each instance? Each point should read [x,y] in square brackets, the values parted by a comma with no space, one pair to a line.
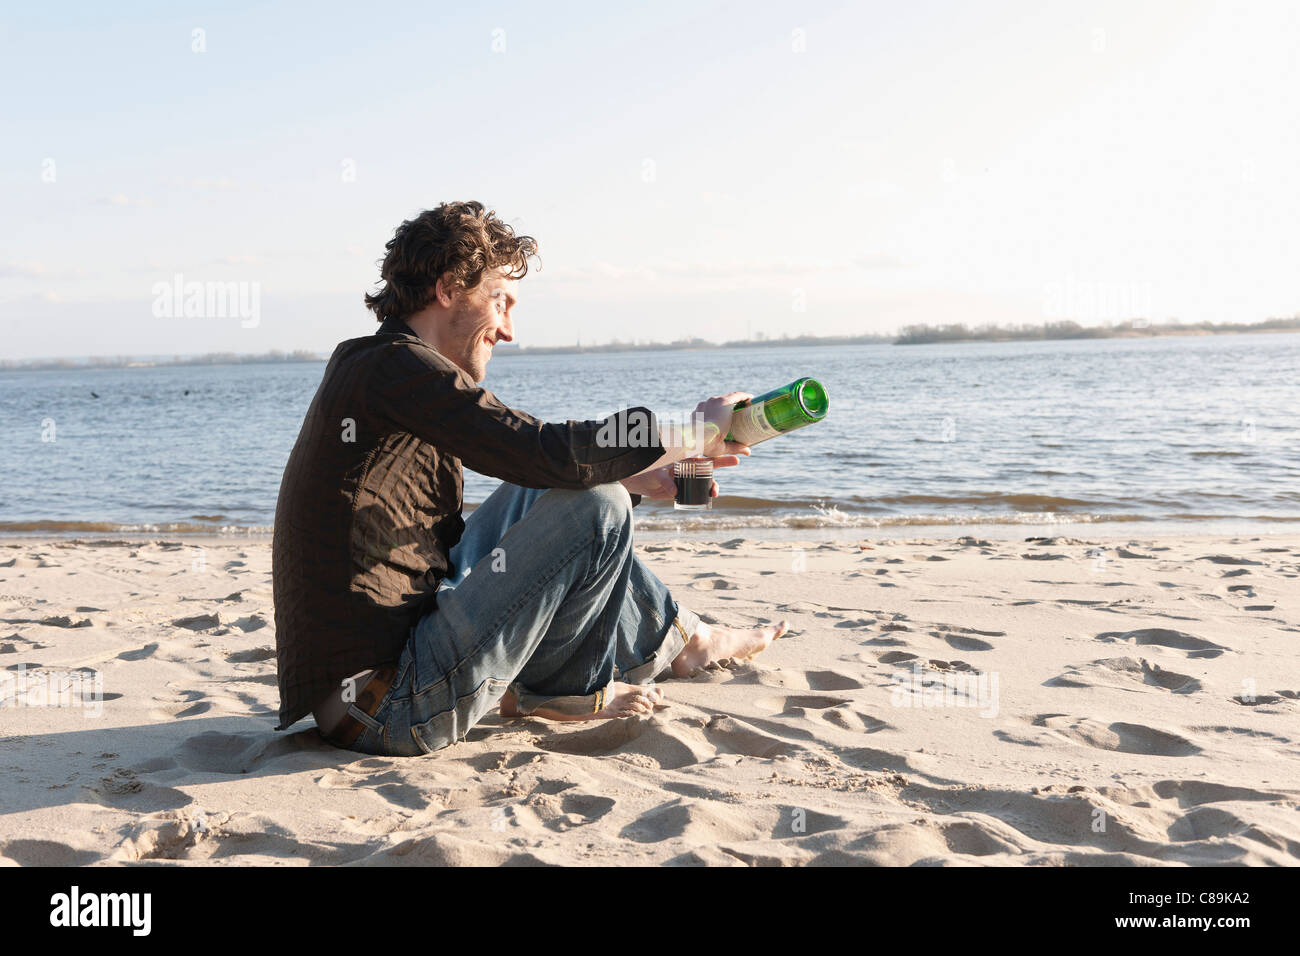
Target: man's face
[479,319]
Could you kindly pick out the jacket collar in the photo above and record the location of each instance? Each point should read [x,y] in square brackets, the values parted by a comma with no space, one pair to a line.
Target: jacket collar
[392,326]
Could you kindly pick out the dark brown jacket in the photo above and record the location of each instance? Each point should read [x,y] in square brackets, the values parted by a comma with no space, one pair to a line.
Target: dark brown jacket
[370,501]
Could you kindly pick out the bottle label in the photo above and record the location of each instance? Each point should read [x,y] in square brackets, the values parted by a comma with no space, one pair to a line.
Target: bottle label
[749,425]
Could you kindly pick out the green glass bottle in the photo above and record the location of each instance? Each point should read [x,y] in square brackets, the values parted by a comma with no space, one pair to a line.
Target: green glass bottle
[781,410]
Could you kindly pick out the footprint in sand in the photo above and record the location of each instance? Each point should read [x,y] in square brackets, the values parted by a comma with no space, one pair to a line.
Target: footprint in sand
[795,822]
[1195,793]
[180,711]
[1239,734]
[896,657]
[781,705]
[1196,647]
[884,641]
[732,735]
[854,720]
[124,789]
[704,823]
[216,752]
[1125,672]
[831,680]
[253,622]
[251,656]
[1119,737]
[1126,553]
[936,664]
[198,622]
[63,620]
[1258,700]
[832,710]
[1191,805]
[44,853]
[267,677]
[13,640]
[963,639]
[646,741]
[815,680]
[589,806]
[713,583]
[185,834]
[390,785]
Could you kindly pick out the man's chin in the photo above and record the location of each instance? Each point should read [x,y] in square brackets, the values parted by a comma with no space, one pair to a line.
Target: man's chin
[474,368]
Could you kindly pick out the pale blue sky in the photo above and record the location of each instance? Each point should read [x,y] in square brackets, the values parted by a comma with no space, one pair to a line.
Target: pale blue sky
[701,169]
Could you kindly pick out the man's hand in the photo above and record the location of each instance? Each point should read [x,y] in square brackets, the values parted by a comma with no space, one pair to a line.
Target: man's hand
[703,437]
[716,416]
[660,484]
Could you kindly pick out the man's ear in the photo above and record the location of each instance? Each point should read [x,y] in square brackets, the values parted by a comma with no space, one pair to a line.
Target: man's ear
[442,291]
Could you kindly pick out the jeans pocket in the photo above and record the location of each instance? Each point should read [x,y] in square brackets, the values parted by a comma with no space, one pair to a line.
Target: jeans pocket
[370,742]
[449,726]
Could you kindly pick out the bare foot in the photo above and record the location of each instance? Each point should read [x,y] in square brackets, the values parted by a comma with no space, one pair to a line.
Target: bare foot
[623,700]
[711,644]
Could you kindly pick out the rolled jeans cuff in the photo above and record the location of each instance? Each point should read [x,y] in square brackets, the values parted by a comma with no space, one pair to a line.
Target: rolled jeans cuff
[675,638]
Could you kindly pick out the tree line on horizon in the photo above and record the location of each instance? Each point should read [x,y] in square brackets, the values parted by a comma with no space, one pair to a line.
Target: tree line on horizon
[959,332]
[135,361]
[921,334]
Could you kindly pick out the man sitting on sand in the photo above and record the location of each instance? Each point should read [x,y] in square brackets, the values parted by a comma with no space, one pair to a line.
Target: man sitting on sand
[398,624]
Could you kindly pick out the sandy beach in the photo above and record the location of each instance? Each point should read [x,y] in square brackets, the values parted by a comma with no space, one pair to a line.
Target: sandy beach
[955,701]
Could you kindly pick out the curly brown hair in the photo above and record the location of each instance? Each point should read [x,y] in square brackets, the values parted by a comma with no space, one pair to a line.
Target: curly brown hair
[460,240]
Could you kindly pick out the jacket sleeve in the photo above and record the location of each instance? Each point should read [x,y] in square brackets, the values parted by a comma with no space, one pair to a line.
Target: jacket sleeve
[413,388]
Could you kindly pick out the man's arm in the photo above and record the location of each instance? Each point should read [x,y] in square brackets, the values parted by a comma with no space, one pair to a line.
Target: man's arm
[417,390]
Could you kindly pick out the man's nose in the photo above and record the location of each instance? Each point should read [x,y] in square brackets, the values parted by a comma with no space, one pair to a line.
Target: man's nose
[508,329]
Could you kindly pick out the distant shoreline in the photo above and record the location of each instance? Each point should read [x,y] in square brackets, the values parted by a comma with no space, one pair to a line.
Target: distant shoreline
[909,335]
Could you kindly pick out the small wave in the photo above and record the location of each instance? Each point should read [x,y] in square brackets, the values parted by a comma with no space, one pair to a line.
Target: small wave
[892,503]
[1017,501]
[748,503]
[1201,517]
[834,518]
[107,527]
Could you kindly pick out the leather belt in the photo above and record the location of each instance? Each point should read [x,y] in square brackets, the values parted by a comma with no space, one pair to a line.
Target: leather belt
[349,729]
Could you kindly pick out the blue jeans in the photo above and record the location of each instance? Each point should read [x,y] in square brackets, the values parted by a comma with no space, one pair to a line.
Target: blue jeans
[548,601]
